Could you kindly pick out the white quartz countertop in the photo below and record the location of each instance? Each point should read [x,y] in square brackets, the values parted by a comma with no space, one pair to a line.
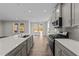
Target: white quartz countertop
[9,43]
[70,44]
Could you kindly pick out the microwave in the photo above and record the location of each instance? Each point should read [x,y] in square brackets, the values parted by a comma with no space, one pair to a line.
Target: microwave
[58,23]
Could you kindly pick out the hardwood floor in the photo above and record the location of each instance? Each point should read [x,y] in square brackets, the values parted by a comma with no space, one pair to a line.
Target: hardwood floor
[41,47]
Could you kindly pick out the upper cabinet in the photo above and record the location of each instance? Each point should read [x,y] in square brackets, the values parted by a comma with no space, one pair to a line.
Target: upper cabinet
[57,11]
[75,14]
[66,14]
[70,14]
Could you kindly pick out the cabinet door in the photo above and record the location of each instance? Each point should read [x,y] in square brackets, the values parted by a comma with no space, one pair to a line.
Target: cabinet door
[15,51]
[73,14]
[58,51]
[31,41]
[61,50]
[19,53]
[66,14]
[66,52]
[28,45]
[25,48]
[76,13]
[24,53]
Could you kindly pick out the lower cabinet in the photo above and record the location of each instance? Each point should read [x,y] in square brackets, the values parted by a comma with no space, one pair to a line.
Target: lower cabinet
[29,44]
[60,50]
[66,52]
[28,49]
[19,53]
[23,49]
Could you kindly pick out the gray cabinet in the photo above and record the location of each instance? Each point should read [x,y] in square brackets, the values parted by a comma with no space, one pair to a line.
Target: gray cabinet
[30,44]
[66,52]
[61,50]
[24,53]
[70,14]
[23,49]
[66,14]
[19,53]
[58,51]
[75,14]
[15,51]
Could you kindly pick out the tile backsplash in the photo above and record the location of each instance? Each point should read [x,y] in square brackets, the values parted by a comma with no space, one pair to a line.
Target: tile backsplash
[74,33]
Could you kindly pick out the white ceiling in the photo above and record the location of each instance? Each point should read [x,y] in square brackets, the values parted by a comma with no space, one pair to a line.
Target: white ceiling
[26,11]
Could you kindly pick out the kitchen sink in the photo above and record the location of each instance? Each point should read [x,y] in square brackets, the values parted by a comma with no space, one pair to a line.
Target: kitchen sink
[24,36]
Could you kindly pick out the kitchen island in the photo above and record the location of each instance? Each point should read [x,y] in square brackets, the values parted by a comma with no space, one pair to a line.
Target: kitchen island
[15,45]
[66,47]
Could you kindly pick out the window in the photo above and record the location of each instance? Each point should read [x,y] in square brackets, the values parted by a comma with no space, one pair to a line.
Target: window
[21,28]
[15,27]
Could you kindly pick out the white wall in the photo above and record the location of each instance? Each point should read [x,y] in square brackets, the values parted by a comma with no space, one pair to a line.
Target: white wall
[1,29]
[8,27]
[74,33]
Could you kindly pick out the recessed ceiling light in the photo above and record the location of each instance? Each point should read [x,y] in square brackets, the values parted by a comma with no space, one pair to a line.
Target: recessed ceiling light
[16,18]
[29,11]
[57,10]
[19,4]
[44,11]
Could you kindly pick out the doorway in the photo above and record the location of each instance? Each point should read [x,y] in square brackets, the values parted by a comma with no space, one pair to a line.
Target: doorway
[38,29]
